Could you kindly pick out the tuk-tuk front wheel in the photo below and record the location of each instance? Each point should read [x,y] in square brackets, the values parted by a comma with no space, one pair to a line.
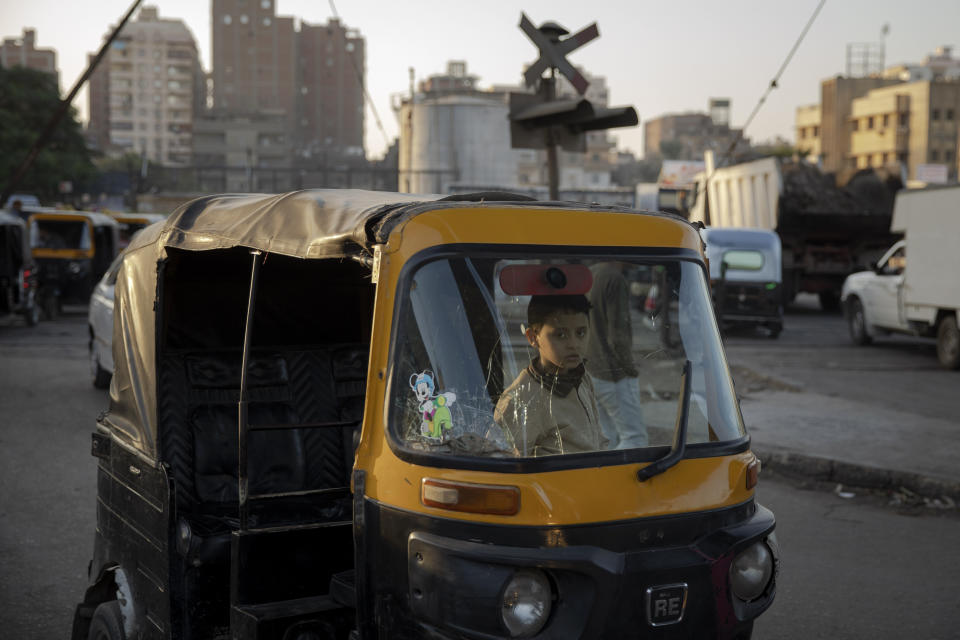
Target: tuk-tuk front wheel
[107,622]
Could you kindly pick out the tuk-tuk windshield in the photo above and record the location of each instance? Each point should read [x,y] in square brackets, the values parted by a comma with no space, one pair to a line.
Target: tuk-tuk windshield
[554,355]
[60,234]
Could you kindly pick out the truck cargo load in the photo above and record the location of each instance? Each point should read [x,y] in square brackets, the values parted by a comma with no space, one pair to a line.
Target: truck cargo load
[827,231]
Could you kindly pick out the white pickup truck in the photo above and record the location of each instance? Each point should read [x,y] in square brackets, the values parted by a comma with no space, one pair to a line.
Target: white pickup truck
[920,296]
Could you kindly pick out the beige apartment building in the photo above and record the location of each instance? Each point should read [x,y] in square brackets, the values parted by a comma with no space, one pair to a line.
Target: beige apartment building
[147,90]
[905,117]
[808,132]
[912,123]
[23,52]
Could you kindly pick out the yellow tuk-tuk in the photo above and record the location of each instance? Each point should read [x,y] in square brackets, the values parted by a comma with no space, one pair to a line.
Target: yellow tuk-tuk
[131,223]
[349,414]
[72,249]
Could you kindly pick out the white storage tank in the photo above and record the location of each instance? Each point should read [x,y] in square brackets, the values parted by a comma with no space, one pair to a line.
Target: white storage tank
[455,139]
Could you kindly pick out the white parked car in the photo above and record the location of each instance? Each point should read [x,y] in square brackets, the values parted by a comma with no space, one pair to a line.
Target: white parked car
[100,322]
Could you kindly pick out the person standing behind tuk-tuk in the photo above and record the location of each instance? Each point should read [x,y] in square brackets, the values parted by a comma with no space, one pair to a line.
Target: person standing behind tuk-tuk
[610,358]
[551,408]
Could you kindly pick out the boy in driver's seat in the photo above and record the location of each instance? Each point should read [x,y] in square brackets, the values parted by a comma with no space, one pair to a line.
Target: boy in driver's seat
[551,407]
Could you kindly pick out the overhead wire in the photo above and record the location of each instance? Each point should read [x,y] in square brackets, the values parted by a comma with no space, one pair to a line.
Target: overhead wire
[774,83]
[363,86]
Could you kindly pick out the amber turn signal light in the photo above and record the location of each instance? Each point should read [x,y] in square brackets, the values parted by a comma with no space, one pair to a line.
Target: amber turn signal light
[493,499]
[753,473]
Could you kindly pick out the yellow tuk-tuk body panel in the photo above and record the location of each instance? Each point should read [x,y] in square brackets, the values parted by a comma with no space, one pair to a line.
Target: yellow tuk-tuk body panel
[576,496]
[571,496]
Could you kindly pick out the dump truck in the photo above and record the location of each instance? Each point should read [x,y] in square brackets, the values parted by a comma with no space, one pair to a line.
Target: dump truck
[827,232]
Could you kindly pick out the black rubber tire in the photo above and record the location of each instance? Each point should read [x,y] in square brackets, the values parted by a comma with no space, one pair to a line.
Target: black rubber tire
[948,342]
[857,322]
[107,623]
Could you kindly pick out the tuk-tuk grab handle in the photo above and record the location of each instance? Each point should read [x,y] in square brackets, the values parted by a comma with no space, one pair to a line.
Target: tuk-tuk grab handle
[242,427]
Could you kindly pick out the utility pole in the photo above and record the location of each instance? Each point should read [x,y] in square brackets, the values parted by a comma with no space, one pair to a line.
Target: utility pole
[541,121]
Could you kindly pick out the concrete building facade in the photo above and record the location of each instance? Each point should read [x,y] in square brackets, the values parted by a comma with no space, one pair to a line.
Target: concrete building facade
[689,135]
[808,132]
[23,52]
[314,75]
[909,124]
[147,90]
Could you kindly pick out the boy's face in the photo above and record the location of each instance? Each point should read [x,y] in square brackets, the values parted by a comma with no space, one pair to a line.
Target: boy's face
[561,340]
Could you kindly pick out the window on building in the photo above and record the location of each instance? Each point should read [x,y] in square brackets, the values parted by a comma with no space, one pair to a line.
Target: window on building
[816,132]
[903,119]
[803,133]
[935,114]
[244,19]
[886,119]
[350,46]
[227,19]
[902,158]
[870,122]
[855,125]
[267,21]
[949,114]
[264,4]
[934,155]
[948,156]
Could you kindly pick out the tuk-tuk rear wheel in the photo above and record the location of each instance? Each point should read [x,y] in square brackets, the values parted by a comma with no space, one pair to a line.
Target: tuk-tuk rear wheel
[107,622]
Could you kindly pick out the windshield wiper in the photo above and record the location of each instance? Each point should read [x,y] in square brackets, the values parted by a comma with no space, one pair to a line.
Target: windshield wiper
[680,432]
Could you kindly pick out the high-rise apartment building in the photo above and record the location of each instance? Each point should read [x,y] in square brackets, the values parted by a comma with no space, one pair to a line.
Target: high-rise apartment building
[23,52]
[315,75]
[330,89]
[147,90]
[254,56]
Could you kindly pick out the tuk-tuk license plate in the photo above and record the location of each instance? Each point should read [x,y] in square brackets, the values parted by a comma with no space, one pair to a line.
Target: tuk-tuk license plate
[666,604]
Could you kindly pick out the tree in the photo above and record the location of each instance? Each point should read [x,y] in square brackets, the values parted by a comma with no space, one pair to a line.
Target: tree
[28,98]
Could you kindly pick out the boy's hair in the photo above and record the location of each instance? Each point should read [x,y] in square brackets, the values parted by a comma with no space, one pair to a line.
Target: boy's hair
[542,307]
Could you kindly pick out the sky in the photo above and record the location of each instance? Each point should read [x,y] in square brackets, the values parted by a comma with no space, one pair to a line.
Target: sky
[660,57]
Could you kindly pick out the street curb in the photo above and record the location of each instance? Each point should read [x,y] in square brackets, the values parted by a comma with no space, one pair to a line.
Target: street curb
[856,475]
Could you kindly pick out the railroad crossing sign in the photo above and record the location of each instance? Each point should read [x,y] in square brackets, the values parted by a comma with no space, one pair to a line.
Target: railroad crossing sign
[553,51]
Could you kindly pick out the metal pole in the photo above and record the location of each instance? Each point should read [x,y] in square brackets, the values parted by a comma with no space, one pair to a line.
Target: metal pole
[62,110]
[243,481]
[553,166]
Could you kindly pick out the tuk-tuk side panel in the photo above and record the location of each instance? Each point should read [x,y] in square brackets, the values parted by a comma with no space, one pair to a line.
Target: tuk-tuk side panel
[133,533]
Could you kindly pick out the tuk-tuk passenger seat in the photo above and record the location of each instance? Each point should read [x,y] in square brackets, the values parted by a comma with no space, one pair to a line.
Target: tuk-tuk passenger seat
[302,386]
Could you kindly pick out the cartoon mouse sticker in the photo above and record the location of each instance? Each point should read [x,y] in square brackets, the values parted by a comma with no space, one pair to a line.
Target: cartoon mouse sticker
[435,418]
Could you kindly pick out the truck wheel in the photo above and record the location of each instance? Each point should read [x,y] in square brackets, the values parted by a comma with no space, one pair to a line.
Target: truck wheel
[107,623]
[948,342]
[857,321]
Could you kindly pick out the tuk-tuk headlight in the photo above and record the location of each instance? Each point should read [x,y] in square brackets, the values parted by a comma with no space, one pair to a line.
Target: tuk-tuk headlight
[525,603]
[74,267]
[751,570]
